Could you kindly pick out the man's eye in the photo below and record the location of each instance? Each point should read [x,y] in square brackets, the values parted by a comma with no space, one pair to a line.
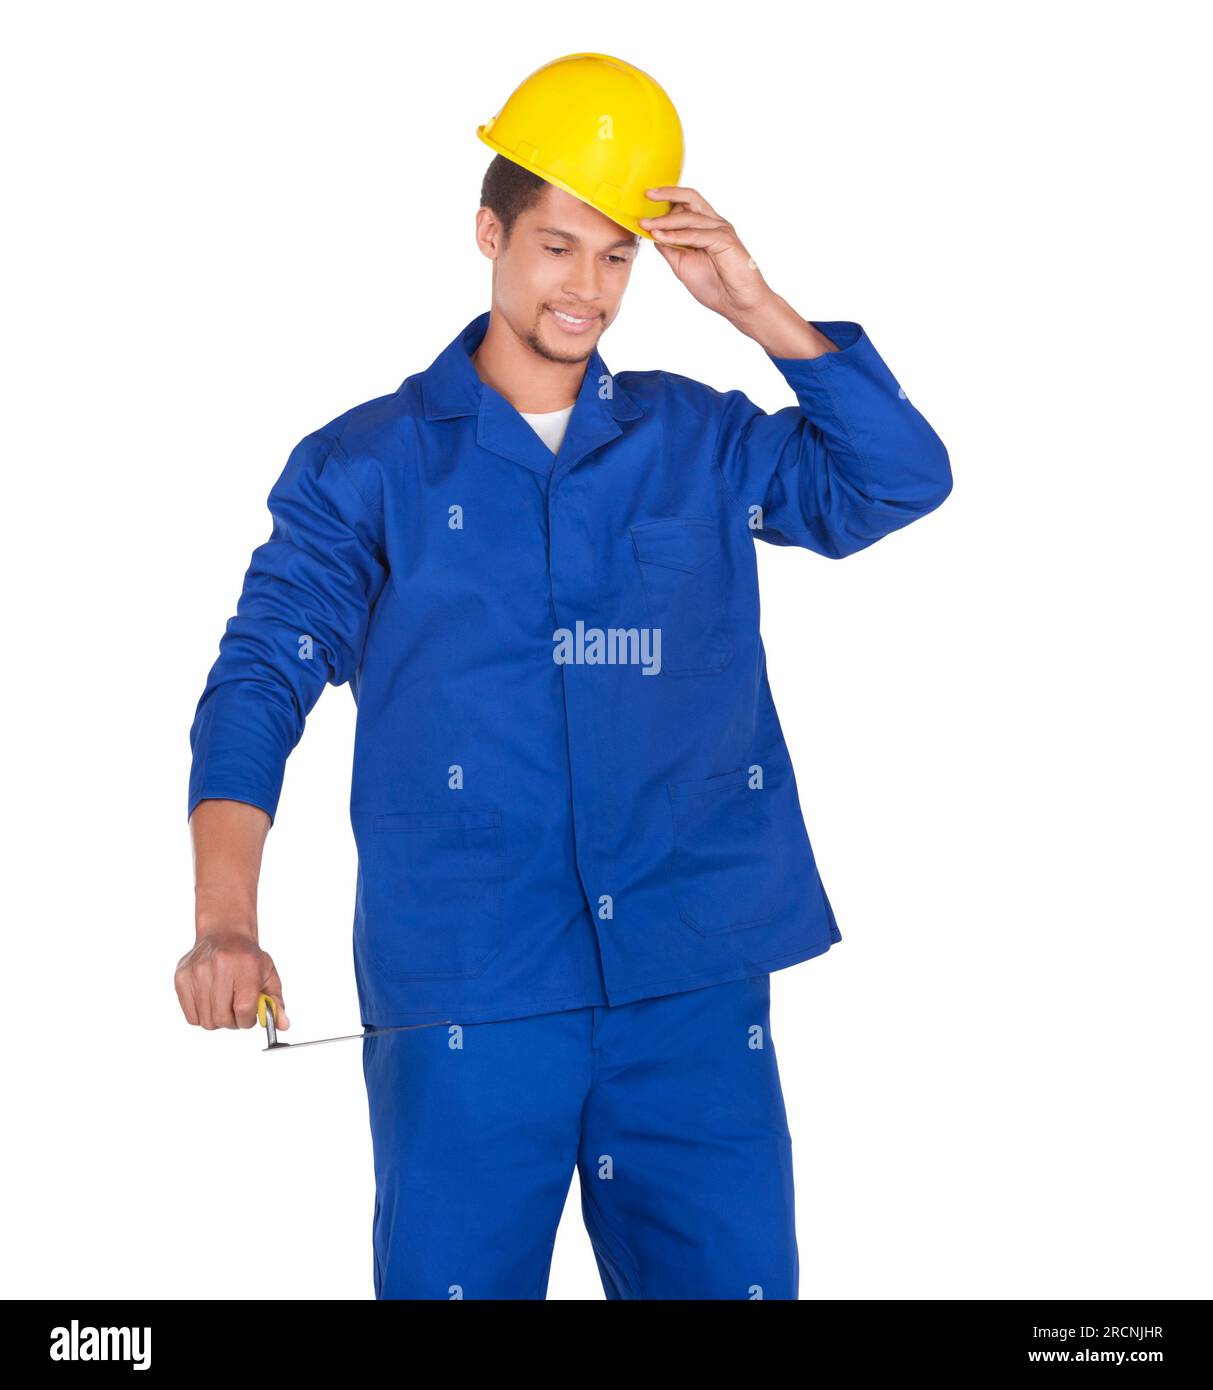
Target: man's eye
[557,248]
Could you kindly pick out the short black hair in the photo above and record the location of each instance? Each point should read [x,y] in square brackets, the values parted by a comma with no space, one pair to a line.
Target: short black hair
[510,190]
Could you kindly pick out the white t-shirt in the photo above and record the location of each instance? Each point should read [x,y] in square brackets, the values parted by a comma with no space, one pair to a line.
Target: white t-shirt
[550,425]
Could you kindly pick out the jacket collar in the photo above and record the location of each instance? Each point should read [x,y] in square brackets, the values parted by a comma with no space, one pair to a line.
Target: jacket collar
[450,387]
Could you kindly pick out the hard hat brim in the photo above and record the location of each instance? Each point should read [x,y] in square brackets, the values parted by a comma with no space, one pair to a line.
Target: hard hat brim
[627,223]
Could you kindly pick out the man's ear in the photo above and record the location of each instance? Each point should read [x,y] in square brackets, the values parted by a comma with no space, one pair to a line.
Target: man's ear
[489,232]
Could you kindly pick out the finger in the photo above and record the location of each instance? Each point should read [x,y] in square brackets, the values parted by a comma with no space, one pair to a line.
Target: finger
[223,997]
[185,997]
[690,236]
[676,193]
[682,218]
[201,982]
[244,1005]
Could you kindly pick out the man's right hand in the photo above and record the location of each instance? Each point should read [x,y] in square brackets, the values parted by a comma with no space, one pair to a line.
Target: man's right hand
[218,982]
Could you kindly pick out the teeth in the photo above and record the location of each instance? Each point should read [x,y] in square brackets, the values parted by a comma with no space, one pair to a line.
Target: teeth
[568,318]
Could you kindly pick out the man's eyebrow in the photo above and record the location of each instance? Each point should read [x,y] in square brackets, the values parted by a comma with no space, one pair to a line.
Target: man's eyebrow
[572,236]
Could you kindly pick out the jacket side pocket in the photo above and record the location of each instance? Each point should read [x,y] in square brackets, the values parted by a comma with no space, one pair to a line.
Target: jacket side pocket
[726,859]
[431,893]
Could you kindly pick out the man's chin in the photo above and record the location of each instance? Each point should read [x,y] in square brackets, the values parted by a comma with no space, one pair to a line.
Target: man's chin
[549,343]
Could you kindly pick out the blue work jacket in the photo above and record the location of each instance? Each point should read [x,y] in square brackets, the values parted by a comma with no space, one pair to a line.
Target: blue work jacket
[570,785]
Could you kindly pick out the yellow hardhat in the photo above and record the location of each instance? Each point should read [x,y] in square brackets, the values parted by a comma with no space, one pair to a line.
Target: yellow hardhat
[597,127]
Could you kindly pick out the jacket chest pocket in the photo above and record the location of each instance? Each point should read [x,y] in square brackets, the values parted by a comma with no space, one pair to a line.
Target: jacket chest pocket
[680,568]
[432,893]
[727,863]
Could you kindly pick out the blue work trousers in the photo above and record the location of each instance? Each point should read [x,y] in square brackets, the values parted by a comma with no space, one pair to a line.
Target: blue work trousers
[670,1108]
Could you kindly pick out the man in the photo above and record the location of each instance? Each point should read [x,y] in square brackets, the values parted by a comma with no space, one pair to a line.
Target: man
[581,851]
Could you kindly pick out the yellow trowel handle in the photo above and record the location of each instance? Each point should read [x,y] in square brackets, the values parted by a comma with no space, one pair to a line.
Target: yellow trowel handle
[267,1017]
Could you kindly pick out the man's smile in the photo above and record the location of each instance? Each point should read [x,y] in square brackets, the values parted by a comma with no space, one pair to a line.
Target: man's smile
[570,322]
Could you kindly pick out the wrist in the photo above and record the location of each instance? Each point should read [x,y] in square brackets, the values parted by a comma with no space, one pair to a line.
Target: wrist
[781,332]
[228,919]
[764,316]
[203,930]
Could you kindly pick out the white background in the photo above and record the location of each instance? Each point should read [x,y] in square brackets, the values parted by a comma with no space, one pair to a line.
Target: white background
[228,223]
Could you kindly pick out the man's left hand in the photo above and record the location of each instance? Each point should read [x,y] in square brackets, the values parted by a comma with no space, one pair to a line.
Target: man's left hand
[706,254]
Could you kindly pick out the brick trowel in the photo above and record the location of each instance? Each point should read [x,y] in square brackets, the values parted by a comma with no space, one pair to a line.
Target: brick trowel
[267,1016]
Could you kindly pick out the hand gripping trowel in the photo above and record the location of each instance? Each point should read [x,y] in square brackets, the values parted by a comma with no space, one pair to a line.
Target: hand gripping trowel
[267,1016]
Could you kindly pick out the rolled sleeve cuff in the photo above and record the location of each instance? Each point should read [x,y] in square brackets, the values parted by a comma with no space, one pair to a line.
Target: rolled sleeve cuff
[219,791]
[847,336]
[841,385]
